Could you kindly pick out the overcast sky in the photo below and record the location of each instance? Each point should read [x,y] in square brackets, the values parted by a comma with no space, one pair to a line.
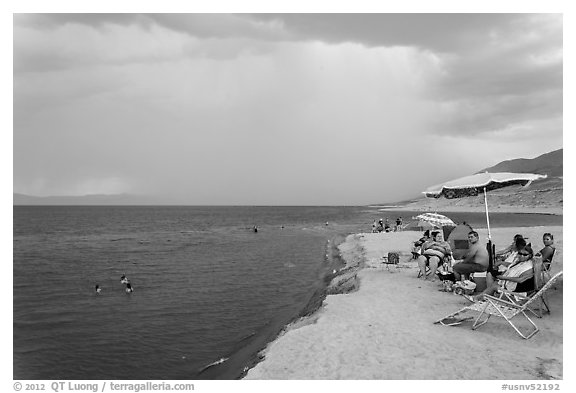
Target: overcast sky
[284,109]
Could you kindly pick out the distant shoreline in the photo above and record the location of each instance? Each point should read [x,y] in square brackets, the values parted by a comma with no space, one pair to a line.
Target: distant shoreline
[558,211]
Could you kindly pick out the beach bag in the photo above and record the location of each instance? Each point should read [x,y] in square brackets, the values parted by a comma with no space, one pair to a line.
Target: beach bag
[393,258]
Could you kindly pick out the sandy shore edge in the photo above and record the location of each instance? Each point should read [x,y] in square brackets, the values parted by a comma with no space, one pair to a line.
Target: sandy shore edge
[378,324]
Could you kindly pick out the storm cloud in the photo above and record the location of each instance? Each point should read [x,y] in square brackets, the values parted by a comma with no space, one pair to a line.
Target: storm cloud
[278,108]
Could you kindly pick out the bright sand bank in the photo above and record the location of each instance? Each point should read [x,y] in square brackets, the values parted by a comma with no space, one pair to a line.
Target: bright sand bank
[449,205]
[385,329]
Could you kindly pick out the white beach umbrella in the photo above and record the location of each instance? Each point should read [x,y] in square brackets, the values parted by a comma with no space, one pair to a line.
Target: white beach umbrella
[480,183]
[436,219]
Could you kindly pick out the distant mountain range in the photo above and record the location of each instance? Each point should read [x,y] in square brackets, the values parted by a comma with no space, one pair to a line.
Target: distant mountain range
[550,164]
[547,164]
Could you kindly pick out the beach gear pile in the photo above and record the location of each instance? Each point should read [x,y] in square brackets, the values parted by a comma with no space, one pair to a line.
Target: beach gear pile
[465,287]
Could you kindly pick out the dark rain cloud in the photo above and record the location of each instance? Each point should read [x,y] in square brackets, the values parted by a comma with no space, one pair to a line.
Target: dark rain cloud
[197,25]
[492,70]
[436,32]
[217,36]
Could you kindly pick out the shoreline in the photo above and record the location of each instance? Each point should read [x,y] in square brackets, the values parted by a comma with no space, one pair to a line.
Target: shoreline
[343,281]
[308,348]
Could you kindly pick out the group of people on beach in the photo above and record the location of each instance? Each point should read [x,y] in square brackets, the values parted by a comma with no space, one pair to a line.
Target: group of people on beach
[123,280]
[513,267]
[383,225]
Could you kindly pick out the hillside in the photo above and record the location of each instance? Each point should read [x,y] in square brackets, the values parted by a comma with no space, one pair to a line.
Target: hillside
[547,164]
[541,196]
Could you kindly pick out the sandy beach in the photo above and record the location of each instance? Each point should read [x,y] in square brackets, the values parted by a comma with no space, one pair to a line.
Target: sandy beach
[384,329]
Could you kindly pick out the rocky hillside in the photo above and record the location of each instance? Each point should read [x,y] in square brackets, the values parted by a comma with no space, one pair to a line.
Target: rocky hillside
[547,164]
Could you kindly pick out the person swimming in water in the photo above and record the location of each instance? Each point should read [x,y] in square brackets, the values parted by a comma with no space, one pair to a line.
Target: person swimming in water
[129,288]
[124,279]
[97,289]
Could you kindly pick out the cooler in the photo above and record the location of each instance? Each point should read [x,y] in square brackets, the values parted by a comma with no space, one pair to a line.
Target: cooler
[480,280]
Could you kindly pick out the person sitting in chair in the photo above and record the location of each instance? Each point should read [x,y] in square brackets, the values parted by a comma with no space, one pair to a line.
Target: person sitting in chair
[417,247]
[518,277]
[433,253]
[509,253]
[503,264]
[475,260]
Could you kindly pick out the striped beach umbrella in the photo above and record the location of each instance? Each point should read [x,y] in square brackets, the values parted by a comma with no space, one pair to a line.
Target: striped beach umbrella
[419,226]
[436,219]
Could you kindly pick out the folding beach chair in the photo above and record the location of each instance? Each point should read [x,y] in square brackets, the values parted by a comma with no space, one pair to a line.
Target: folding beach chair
[447,263]
[503,308]
[520,298]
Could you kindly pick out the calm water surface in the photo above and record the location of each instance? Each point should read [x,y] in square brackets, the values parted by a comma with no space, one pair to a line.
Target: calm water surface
[206,286]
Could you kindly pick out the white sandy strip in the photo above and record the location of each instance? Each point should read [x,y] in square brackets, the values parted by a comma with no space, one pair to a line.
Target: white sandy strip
[385,329]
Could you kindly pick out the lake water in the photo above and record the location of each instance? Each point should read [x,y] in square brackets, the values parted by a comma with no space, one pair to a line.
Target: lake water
[206,286]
